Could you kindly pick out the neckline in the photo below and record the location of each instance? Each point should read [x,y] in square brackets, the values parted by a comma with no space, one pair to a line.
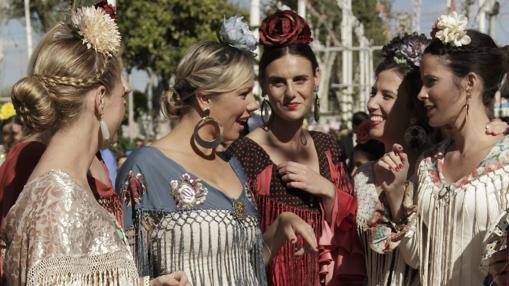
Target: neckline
[210,186]
[311,133]
[478,171]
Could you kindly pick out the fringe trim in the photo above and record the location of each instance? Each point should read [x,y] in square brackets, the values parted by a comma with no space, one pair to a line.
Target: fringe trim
[113,269]
[286,268]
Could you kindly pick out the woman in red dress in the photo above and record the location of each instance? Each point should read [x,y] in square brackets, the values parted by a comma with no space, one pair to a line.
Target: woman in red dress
[292,169]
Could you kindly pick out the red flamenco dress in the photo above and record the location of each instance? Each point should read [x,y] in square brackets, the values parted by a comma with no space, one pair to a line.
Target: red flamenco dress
[340,260]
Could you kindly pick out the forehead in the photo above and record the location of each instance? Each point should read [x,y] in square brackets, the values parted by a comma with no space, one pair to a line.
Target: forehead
[433,64]
[389,79]
[289,65]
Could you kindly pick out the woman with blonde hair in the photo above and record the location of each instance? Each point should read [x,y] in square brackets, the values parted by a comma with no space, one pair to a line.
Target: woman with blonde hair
[57,233]
[189,205]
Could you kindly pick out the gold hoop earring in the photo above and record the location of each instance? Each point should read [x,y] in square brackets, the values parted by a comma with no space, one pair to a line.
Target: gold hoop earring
[202,142]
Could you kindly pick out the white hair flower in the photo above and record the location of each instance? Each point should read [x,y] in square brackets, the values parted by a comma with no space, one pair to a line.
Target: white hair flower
[98,29]
[451,29]
[235,32]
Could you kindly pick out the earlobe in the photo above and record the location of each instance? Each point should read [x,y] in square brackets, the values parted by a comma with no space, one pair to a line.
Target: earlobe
[203,102]
[100,100]
[317,76]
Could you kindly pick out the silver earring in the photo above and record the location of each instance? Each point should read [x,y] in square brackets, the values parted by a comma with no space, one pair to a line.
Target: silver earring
[104,130]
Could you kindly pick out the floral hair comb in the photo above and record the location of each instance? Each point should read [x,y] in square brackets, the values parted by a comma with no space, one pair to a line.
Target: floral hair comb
[235,32]
[284,28]
[97,28]
[451,30]
[407,49]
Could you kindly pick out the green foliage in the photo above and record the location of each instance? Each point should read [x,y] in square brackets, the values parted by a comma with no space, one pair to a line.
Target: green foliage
[365,11]
[44,13]
[156,34]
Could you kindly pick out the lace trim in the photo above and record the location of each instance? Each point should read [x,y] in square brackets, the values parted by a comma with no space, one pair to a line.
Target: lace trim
[367,196]
[112,269]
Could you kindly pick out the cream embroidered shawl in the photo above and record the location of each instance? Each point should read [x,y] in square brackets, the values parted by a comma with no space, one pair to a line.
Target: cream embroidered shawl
[57,234]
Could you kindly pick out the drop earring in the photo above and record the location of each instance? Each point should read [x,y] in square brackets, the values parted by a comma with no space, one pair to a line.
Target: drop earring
[105,132]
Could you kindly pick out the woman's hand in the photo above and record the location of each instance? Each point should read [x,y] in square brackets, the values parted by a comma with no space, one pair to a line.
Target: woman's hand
[300,176]
[289,226]
[498,267]
[497,127]
[178,278]
[391,172]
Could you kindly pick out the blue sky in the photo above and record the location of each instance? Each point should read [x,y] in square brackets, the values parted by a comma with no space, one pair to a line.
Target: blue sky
[13,38]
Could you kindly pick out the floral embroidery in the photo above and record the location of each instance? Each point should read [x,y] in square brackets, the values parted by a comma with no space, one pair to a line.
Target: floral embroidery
[188,192]
[133,188]
[434,163]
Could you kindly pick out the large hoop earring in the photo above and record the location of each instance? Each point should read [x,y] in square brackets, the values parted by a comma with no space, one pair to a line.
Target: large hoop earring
[316,110]
[266,112]
[202,142]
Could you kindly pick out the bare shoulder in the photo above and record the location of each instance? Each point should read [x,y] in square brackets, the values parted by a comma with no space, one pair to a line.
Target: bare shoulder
[259,135]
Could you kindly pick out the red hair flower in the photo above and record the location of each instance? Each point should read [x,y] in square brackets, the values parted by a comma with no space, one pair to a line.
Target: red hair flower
[284,28]
[108,8]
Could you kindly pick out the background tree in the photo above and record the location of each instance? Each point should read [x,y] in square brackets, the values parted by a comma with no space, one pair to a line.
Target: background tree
[44,13]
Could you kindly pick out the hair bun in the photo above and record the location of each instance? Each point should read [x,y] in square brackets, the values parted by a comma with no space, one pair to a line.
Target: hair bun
[34,104]
[284,28]
[171,104]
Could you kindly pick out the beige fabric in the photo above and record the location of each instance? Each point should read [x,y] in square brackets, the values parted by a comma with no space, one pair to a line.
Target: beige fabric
[57,234]
[454,219]
[382,269]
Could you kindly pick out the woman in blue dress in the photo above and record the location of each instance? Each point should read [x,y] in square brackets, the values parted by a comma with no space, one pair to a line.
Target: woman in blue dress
[188,206]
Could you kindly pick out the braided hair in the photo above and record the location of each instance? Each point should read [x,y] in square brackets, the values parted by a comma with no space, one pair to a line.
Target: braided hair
[60,72]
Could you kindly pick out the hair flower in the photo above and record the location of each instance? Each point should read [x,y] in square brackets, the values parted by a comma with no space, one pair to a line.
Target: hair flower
[406,49]
[98,30]
[235,32]
[284,28]
[7,111]
[451,29]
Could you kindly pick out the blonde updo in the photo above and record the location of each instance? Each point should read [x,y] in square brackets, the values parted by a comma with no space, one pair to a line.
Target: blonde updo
[61,70]
[208,68]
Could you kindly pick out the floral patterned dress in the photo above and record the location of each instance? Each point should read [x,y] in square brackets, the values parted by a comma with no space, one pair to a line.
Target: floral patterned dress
[451,242]
[178,222]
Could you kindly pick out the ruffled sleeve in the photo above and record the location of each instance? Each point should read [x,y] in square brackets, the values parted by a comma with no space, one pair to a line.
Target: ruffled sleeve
[339,241]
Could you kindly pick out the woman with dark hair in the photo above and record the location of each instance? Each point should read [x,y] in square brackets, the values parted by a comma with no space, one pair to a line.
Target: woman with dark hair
[462,183]
[293,170]
[396,117]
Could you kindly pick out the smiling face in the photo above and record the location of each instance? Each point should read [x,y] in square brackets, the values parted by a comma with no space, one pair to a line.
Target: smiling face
[442,95]
[388,107]
[289,82]
[232,110]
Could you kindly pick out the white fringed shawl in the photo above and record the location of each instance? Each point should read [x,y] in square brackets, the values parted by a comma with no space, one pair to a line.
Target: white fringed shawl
[454,218]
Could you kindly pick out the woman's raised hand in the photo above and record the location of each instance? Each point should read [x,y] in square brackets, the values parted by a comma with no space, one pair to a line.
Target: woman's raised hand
[391,172]
[299,176]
